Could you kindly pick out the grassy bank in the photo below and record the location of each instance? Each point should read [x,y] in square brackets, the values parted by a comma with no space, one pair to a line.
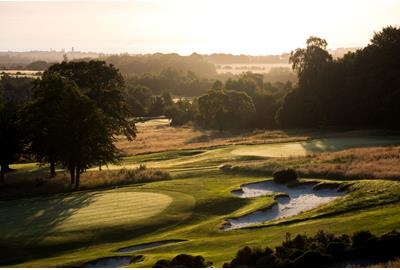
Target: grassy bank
[71,228]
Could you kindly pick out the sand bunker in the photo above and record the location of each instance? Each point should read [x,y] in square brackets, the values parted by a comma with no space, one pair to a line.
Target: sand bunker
[112,262]
[300,198]
[148,245]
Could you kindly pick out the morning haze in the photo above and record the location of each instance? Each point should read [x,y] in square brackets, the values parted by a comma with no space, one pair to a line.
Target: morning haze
[199,133]
[182,26]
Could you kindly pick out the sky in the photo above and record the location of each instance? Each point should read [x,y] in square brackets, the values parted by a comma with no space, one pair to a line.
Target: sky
[256,27]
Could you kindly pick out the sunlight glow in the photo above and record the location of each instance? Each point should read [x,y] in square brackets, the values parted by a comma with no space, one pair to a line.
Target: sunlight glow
[186,26]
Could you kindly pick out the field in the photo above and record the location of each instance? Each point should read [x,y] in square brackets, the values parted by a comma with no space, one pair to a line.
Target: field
[21,73]
[256,68]
[71,228]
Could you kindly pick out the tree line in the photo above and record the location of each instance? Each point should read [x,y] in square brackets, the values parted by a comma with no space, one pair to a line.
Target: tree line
[359,90]
[138,65]
[245,101]
[71,118]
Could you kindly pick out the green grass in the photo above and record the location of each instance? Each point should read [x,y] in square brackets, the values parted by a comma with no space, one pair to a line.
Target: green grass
[79,212]
[68,229]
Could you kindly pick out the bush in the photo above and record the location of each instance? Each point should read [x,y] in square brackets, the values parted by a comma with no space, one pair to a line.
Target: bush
[312,259]
[322,250]
[183,260]
[335,248]
[285,176]
[360,239]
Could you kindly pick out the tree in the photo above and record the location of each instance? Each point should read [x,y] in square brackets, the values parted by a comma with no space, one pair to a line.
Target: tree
[359,90]
[225,108]
[309,61]
[167,98]
[217,85]
[10,135]
[43,117]
[67,127]
[37,65]
[156,107]
[302,107]
[247,82]
[138,99]
[181,112]
[14,93]
[86,139]
[103,84]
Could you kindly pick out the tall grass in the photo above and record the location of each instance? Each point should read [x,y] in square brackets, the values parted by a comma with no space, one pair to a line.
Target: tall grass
[18,185]
[356,163]
[390,264]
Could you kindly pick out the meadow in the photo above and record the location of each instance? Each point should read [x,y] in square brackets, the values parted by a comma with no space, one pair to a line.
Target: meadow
[70,228]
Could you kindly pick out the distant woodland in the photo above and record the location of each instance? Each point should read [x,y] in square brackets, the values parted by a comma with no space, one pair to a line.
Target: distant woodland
[359,90]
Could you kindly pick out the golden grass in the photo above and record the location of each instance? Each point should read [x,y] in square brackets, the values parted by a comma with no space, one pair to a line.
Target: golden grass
[390,264]
[17,185]
[158,136]
[355,163]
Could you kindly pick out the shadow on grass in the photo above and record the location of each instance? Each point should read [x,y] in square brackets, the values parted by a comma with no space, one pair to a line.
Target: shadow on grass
[27,221]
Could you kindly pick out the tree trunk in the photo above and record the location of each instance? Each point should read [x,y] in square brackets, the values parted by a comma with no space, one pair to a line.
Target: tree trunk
[52,169]
[72,173]
[78,175]
[2,171]
[100,167]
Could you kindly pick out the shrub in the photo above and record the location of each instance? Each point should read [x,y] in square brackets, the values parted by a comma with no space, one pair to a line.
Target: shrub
[311,259]
[322,250]
[359,239]
[183,260]
[285,176]
[335,248]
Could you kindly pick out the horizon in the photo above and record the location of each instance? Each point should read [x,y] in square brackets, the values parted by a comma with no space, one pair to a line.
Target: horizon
[184,27]
[56,50]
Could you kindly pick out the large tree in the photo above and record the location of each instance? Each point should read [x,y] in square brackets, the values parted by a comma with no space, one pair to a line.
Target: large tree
[11,141]
[67,127]
[14,94]
[359,90]
[307,62]
[302,107]
[104,85]
[86,139]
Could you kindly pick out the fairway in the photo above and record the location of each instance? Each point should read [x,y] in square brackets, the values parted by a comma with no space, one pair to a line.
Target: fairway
[78,212]
[313,146]
[194,206]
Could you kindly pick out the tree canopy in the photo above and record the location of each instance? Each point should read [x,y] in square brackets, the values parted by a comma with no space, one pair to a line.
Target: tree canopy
[103,84]
[225,108]
[360,90]
[67,127]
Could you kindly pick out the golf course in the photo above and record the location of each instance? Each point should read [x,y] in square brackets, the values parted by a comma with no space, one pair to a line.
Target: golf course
[189,212]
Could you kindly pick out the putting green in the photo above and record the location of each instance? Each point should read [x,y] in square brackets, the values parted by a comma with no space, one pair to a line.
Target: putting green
[314,146]
[78,212]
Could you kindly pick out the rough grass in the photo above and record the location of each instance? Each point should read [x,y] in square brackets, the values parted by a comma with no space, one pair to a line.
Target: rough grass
[28,184]
[356,163]
[390,264]
[157,136]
